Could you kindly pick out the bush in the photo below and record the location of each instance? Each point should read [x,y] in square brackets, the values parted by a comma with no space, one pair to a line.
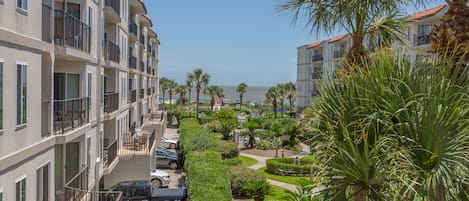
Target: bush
[266,144]
[232,161]
[196,138]
[239,175]
[228,149]
[257,189]
[206,177]
[286,166]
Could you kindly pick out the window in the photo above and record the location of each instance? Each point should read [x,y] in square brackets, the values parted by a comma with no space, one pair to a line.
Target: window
[88,153]
[43,183]
[21,94]
[1,96]
[21,189]
[23,4]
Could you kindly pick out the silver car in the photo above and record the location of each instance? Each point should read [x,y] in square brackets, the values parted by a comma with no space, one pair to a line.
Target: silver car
[171,143]
[159,178]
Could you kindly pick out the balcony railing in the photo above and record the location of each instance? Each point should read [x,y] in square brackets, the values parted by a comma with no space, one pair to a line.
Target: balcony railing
[132,96]
[421,40]
[148,91]
[142,93]
[70,114]
[112,52]
[46,23]
[142,66]
[132,62]
[77,187]
[148,69]
[70,31]
[149,49]
[339,54]
[132,27]
[115,5]
[153,71]
[142,39]
[110,153]
[111,102]
[153,89]
[133,143]
[317,57]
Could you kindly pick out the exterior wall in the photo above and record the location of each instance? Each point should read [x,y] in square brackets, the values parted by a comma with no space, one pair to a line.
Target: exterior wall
[127,169]
[27,23]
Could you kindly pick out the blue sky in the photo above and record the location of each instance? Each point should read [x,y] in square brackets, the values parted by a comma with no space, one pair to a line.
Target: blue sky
[234,41]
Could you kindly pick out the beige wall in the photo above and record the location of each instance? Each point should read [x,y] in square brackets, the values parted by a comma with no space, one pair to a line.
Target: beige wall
[26,23]
[131,168]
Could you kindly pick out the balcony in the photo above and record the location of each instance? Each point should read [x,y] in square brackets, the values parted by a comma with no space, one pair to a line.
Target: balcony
[142,66]
[112,11]
[422,40]
[46,23]
[149,70]
[317,57]
[70,114]
[133,30]
[142,93]
[132,96]
[149,49]
[133,62]
[71,32]
[112,52]
[136,143]
[148,91]
[111,102]
[142,40]
[339,54]
[110,153]
[153,89]
[77,187]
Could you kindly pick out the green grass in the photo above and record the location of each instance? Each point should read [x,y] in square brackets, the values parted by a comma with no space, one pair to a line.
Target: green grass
[247,161]
[277,194]
[284,179]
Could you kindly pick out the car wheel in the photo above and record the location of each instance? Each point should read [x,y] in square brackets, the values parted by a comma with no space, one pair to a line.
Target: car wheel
[173,165]
[156,183]
[172,146]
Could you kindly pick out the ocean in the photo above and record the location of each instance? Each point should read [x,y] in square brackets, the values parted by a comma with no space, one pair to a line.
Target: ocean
[252,95]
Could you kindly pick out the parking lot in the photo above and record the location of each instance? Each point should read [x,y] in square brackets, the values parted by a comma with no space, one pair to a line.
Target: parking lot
[176,176]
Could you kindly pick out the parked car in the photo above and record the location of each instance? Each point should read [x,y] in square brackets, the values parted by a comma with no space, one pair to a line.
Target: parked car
[171,194]
[159,178]
[134,190]
[166,158]
[171,143]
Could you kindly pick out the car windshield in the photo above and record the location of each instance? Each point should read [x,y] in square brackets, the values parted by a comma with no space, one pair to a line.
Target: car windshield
[163,138]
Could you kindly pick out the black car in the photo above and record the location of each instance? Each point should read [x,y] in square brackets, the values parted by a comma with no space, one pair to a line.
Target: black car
[171,194]
[166,158]
[134,190]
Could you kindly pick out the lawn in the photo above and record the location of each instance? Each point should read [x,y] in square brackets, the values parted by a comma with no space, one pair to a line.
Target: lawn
[278,194]
[285,179]
[247,161]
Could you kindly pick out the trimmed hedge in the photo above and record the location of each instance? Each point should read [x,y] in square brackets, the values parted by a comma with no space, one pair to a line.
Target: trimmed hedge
[228,149]
[239,175]
[285,166]
[194,137]
[206,177]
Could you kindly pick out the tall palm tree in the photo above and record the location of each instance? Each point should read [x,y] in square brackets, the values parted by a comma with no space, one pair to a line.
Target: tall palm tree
[189,85]
[171,87]
[200,80]
[241,89]
[164,85]
[281,91]
[357,18]
[291,93]
[181,90]
[271,97]
[213,91]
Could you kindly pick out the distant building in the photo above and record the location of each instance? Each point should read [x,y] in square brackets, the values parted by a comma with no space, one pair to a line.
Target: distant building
[322,59]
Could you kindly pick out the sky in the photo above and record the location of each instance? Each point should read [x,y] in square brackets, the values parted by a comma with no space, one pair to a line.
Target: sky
[233,41]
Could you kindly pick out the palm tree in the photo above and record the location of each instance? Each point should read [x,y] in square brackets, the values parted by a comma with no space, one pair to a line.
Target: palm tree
[281,91]
[358,18]
[171,87]
[291,93]
[213,91]
[200,80]
[241,89]
[181,90]
[450,38]
[252,132]
[271,97]
[164,85]
[189,85]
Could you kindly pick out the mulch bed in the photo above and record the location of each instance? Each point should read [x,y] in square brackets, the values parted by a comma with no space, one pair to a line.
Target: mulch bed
[269,153]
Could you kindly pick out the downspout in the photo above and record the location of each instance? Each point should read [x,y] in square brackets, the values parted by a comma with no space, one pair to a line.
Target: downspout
[99,149]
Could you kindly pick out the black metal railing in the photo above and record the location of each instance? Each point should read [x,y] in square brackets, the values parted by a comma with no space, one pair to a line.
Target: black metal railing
[132,62]
[111,102]
[142,93]
[132,96]
[70,31]
[317,57]
[148,69]
[77,187]
[148,91]
[112,51]
[422,40]
[153,71]
[132,27]
[70,114]
[142,39]
[115,5]
[46,23]
[110,153]
[148,48]
[153,89]
[142,66]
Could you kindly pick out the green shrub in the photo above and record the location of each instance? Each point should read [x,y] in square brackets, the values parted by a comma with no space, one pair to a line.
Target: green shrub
[196,138]
[286,166]
[257,189]
[266,144]
[228,149]
[232,161]
[239,175]
[206,177]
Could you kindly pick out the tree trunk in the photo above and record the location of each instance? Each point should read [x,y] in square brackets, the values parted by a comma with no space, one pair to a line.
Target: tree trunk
[163,96]
[189,97]
[289,105]
[274,105]
[212,102]
[240,101]
[170,99]
[357,55]
[197,103]
[359,194]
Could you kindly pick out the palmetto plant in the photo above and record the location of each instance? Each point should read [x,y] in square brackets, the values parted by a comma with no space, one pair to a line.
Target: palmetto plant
[394,132]
[189,84]
[181,90]
[171,87]
[200,80]
[164,85]
[241,89]
[272,96]
[290,94]
[213,91]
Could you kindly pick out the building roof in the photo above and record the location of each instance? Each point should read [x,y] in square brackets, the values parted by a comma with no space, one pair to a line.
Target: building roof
[337,38]
[315,44]
[149,20]
[426,13]
[143,5]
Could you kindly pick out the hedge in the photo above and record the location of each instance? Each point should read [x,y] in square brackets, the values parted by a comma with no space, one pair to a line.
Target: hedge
[285,166]
[228,149]
[206,177]
[239,175]
[194,137]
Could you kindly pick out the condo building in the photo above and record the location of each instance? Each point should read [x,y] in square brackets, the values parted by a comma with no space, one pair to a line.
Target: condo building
[322,59]
[78,99]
